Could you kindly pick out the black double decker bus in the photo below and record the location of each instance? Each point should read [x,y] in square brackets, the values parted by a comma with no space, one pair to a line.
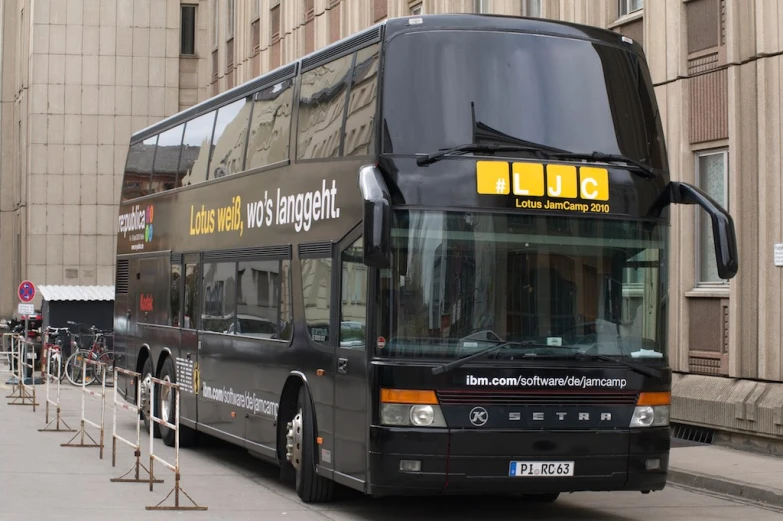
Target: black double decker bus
[430,258]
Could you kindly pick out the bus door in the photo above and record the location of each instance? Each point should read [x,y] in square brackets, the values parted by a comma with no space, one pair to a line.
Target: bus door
[189,334]
[351,415]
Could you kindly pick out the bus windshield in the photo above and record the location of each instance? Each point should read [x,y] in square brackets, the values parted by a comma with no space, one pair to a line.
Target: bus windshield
[461,281]
[448,88]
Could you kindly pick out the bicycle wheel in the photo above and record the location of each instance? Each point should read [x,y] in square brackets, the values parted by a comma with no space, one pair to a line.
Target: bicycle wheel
[54,364]
[107,359]
[74,368]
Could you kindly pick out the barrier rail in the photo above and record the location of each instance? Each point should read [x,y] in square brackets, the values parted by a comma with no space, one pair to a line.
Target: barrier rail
[58,418]
[9,352]
[102,395]
[24,394]
[115,437]
[173,387]
[8,349]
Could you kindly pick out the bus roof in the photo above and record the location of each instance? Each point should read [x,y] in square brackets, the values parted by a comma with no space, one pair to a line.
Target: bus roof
[390,27]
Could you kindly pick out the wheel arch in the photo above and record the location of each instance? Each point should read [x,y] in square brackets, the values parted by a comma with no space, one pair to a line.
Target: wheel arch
[287,407]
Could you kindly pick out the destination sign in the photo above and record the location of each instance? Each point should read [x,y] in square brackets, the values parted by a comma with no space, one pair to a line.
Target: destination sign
[536,186]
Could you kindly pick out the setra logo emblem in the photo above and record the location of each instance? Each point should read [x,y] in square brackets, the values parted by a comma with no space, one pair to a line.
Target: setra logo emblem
[479,416]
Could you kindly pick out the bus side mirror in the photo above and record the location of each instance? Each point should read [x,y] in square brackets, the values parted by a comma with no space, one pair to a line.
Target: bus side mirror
[377,217]
[722,225]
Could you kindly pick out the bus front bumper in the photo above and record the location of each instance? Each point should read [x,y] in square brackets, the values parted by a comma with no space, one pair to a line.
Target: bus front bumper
[478,462]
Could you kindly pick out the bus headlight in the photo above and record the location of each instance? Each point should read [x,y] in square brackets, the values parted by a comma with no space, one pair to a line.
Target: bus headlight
[407,408]
[652,410]
[650,416]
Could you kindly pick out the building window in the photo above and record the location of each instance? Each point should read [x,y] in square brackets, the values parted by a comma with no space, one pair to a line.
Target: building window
[187,42]
[626,7]
[274,20]
[417,9]
[230,20]
[531,8]
[481,6]
[215,23]
[712,178]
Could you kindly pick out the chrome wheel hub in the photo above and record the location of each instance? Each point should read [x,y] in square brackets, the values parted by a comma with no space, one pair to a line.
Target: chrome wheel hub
[146,385]
[165,401]
[293,441]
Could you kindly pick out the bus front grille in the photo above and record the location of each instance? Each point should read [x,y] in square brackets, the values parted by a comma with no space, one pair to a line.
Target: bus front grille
[508,397]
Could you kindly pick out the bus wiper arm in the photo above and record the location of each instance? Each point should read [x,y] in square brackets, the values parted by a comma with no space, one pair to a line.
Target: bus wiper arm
[478,354]
[639,368]
[646,171]
[489,148]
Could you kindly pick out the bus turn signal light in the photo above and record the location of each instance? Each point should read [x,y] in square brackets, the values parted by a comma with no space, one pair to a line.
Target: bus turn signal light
[661,398]
[408,396]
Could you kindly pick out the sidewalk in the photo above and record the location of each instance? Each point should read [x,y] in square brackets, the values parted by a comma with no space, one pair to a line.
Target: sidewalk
[726,471]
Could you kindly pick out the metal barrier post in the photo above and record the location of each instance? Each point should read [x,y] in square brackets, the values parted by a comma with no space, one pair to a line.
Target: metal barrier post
[114,436]
[8,349]
[58,418]
[84,420]
[174,468]
[13,364]
[21,364]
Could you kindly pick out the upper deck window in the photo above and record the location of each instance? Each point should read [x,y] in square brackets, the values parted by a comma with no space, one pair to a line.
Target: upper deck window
[321,109]
[195,149]
[166,165]
[448,88]
[360,125]
[270,130]
[138,169]
[228,142]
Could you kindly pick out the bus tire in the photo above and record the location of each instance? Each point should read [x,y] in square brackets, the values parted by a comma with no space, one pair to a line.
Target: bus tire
[148,370]
[310,487]
[187,436]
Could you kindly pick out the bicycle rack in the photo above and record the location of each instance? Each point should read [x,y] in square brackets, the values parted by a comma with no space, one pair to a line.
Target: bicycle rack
[102,396]
[153,457]
[49,401]
[114,436]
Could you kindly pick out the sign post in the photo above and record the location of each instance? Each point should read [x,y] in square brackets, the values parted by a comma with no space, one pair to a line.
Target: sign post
[26,295]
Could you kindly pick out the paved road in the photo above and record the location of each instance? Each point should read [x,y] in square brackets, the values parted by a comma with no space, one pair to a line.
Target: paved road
[42,480]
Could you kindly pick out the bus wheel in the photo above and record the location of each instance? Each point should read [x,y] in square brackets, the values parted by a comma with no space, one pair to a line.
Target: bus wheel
[146,373]
[167,404]
[300,452]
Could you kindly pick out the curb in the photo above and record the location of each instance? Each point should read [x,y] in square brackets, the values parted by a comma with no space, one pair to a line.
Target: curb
[726,487]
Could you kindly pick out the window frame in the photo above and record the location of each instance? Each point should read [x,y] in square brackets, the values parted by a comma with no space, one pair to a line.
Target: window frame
[417,9]
[526,8]
[230,19]
[182,8]
[697,155]
[624,8]
[218,258]
[215,24]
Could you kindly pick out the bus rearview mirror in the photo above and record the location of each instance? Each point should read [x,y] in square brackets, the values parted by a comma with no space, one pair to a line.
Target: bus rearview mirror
[722,225]
[377,217]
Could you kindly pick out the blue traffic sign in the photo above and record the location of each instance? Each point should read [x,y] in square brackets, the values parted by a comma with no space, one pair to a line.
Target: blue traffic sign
[26,291]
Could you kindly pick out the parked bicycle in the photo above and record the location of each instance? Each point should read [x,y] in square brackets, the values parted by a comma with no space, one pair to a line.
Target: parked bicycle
[53,339]
[98,351]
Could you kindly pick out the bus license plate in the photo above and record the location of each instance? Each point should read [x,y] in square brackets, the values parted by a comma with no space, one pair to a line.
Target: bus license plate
[540,469]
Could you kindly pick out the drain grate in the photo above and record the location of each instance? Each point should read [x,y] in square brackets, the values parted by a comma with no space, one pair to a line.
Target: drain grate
[692,434]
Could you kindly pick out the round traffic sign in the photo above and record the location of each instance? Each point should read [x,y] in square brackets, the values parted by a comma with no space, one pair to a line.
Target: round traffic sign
[26,291]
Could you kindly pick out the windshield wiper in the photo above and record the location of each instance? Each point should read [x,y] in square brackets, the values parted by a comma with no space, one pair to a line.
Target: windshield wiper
[478,147]
[647,172]
[478,354]
[579,355]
